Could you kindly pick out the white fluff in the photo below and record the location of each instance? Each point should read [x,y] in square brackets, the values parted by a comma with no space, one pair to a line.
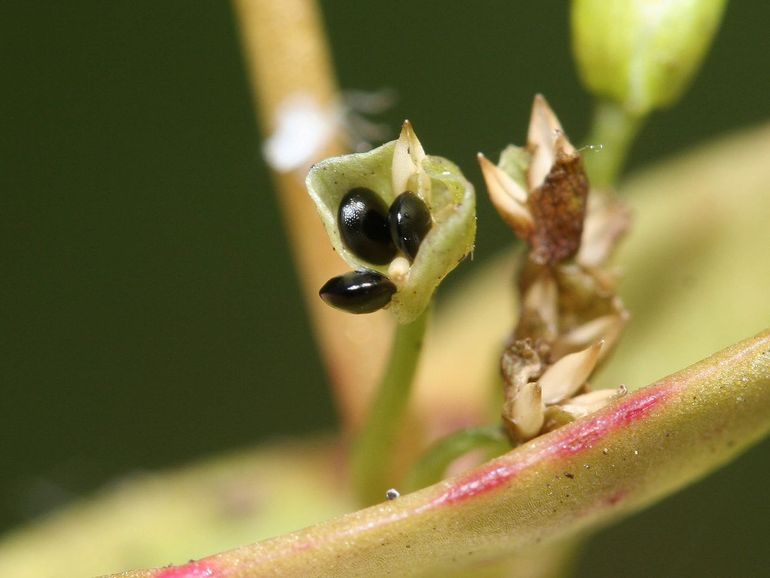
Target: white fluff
[302,131]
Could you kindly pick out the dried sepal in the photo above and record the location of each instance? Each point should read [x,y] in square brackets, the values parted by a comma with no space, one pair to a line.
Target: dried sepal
[508,197]
[521,363]
[544,138]
[565,377]
[606,328]
[524,415]
[451,203]
[594,400]
[407,172]
[540,308]
[585,295]
[607,222]
[580,406]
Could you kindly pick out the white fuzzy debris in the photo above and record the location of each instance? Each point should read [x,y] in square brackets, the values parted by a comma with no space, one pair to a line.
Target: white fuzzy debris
[392,494]
[303,129]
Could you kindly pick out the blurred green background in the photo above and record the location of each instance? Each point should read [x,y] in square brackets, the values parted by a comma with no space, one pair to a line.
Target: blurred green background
[150,314]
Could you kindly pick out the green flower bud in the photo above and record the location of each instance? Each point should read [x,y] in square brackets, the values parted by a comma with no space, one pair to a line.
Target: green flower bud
[642,53]
[388,171]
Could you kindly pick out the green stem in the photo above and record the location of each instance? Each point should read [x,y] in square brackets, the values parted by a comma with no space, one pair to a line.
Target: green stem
[372,454]
[434,463]
[614,129]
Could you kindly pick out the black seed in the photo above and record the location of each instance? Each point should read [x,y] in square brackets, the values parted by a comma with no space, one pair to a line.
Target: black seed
[358,291]
[362,219]
[409,223]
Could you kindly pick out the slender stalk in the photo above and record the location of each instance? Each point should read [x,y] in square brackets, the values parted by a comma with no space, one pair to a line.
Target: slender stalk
[372,454]
[286,55]
[434,463]
[614,129]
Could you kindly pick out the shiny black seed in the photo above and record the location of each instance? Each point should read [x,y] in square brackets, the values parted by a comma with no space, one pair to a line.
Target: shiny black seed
[362,219]
[358,291]
[409,223]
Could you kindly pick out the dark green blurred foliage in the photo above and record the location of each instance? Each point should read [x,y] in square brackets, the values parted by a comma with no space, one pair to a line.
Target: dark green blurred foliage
[150,314]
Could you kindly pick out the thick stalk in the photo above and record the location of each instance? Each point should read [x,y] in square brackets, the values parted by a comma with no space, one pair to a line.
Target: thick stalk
[584,475]
[612,132]
[372,455]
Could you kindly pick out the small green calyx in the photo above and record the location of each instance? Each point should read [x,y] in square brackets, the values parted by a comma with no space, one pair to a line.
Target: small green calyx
[352,193]
[642,54]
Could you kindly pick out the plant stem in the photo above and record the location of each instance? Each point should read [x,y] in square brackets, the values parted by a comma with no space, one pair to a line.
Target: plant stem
[433,465]
[639,450]
[372,454]
[286,54]
[614,129]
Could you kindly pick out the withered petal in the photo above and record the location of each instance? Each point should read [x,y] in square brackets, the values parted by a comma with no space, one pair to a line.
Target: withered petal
[568,374]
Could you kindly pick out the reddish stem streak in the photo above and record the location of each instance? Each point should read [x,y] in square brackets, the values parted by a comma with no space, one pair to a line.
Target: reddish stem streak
[563,444]
[585,435]
[200,569]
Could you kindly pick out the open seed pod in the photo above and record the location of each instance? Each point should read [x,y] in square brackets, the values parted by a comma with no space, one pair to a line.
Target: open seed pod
[390,170]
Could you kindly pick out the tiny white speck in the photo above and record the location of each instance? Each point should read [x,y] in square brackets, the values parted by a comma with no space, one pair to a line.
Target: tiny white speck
[636,452]
[392,494]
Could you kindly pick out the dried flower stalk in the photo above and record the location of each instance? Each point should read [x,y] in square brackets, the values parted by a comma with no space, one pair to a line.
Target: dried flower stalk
[571,316]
